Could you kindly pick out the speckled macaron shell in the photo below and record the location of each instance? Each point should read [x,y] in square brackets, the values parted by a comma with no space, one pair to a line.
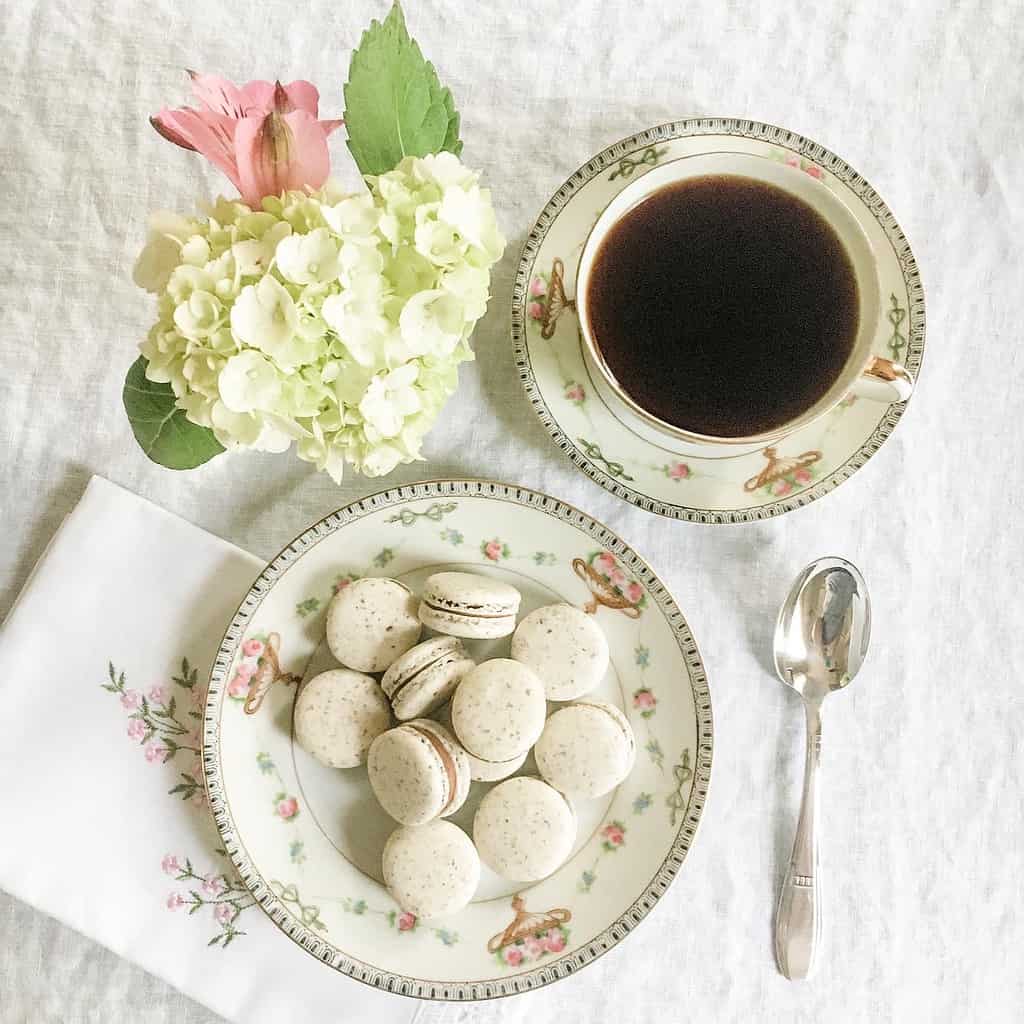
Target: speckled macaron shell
[623,721]
[371,622]
[418,772]
[565,647]
[479,769]
[431,870]
[466,605]
[586,749]
[338,715]
[498,710]
[524,829]
[423,678]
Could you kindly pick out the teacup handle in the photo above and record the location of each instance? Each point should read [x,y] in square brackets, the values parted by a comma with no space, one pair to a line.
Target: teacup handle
[882,380]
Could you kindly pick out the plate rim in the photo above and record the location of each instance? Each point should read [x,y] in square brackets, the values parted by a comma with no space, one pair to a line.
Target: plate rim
[750,129]
[329,953]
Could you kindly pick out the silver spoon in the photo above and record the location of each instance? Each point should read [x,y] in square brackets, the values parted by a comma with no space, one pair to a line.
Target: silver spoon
[820,642]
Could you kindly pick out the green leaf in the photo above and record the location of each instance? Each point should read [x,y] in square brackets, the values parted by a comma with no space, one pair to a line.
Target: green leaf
[395,106]
[160,427]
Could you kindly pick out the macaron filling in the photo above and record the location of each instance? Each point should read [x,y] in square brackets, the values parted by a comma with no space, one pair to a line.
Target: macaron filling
[444,756]
[476,611]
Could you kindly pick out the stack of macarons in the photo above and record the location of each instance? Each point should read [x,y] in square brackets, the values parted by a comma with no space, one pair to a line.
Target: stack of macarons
[493,714]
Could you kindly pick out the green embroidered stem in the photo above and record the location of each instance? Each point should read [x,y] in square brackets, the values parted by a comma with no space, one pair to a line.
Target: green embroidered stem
[593,451]
[628,164]
[896,315]
[158,721]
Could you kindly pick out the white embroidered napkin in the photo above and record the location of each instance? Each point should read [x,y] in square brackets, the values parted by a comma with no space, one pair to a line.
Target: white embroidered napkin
[103,667]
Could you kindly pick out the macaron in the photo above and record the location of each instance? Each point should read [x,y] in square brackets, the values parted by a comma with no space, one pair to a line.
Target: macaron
[498,710]
[486,771]
[586,749]
[418,772]
[565,647]
[338,715]
[423,678]
[524,829]
[431,870]
[462,604]
[371,622]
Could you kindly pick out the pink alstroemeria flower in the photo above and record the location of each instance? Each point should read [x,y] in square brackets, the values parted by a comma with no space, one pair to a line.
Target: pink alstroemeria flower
[265,137]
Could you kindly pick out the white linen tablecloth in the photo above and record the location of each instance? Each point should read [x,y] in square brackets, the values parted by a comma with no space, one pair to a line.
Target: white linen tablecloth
[923,808]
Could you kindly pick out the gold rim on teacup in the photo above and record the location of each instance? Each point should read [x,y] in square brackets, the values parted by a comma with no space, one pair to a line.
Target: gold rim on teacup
[865,374]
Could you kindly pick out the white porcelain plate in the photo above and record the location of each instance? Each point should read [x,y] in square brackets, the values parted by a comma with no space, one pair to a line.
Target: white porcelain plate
[803,466]
[307,839]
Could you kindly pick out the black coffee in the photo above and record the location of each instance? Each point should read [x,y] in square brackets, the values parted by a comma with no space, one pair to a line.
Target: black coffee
[723,305]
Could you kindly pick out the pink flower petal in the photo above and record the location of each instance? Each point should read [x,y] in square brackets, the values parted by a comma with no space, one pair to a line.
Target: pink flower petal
[331,124]
[218,95]
[304,96]
[258,98]
[205,132]
[278,152]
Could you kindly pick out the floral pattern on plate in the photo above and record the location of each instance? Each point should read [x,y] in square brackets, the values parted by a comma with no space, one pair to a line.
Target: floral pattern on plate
[530,936]
[267,794]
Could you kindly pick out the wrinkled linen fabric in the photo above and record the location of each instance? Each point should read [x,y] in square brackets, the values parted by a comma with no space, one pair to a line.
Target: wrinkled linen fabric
[922,808]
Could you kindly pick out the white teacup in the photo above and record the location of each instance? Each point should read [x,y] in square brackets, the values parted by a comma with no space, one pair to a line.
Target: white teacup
[864,374]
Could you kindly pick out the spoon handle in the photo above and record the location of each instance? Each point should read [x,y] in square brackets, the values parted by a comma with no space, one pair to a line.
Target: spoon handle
[798,920]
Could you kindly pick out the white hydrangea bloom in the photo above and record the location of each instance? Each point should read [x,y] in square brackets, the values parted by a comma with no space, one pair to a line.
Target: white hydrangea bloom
[249,381]
[199,316]
[265,317]
[162,253]
[336,322]
[432,322]
[308,259]
[389,399]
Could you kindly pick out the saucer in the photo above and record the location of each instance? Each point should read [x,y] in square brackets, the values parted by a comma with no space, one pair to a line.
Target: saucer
[792,472]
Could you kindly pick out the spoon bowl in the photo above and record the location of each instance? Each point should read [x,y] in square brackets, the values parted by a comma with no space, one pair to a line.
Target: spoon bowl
[823,630]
